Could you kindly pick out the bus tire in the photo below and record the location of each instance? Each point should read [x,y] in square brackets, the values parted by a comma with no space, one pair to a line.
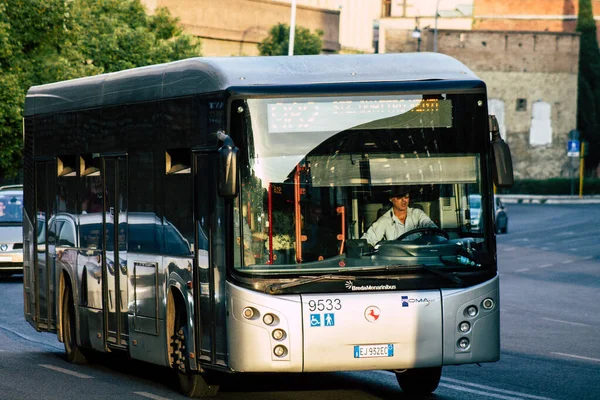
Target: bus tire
[192,383]
[419,381]
[69,329]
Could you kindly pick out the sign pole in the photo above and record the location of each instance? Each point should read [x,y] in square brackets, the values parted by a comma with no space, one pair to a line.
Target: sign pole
[572,177]
[573,151]
[581,169]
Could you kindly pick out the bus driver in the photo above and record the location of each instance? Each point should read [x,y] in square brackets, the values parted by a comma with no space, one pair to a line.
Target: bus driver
[398,220]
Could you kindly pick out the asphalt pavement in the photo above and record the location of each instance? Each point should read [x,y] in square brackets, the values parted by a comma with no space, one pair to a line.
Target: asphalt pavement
[548,199]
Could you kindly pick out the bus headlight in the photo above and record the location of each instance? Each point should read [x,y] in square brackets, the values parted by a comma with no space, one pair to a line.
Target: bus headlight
[278,334]
[464,327]
[471,311]
[488,304]
[280,350]
[463,343]
[248,312]
[268,319]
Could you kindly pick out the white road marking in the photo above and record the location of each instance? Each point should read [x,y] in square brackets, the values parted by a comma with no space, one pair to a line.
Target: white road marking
[587,258]
[568,322]
[493,389]
[566,233]
[151,396]
[66,371]
[510,394]
[545,248]
[509,249]
[573,249]
[523,270]
[578,357]
[567,261]
[546,265]
[464,389]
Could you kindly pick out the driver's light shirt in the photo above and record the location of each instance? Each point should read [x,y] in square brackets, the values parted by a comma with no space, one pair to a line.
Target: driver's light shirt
[389,227]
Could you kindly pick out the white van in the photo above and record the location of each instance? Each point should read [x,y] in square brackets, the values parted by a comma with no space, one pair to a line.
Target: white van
[11,230]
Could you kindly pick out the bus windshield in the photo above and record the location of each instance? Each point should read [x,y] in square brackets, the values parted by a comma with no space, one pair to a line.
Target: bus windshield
[323,179]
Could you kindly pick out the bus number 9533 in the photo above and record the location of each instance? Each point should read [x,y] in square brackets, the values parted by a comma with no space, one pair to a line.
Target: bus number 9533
[325,304]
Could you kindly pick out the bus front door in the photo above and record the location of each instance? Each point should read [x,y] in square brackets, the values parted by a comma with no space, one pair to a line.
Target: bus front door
[115,288]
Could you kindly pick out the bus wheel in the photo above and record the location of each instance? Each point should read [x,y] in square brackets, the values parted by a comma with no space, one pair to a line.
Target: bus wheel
[72,350]
[420,381]
[192,383]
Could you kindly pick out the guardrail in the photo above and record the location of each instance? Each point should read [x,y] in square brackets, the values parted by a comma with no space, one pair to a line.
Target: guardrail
[547,199]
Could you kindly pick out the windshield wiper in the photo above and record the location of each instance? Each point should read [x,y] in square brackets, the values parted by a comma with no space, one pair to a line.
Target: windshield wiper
[434,270]
[446,275]
[303,280]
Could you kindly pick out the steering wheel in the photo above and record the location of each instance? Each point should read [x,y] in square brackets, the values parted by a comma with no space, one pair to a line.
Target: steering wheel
[423,231]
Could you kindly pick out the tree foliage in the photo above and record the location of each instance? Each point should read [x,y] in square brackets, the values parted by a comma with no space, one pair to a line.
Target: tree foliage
[44,41]
[278,41]
[588,101]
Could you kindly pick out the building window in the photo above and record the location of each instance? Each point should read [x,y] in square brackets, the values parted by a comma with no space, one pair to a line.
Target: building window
[521,104]
[540,132]
[386,9]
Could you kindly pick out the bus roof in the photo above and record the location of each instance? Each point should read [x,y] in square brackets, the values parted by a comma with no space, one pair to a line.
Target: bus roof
[206,75]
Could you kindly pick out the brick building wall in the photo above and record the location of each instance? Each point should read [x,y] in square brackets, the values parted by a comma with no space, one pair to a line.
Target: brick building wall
[529,15]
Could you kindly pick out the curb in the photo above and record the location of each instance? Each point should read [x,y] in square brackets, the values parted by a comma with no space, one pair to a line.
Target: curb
[547,199]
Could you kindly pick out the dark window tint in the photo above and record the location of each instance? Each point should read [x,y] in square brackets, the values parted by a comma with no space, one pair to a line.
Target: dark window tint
[145,238]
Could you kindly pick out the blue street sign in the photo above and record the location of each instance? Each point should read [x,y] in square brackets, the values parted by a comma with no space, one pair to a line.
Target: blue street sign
[573,148]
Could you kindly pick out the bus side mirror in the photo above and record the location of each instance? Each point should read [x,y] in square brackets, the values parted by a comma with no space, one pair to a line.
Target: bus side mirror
[502,168]
[227,167]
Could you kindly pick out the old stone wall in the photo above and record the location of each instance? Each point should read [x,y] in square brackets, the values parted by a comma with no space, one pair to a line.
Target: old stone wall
[559,90]
[532,83]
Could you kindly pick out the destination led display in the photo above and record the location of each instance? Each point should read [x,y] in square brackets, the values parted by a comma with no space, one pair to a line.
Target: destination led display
[358,114]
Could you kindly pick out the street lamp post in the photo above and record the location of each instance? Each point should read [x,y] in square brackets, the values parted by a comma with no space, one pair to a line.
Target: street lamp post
[435,30]
[417,34]
[292,29]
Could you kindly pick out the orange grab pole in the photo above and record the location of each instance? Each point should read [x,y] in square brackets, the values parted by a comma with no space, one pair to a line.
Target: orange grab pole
[270,223]
[297,215]
[342,237]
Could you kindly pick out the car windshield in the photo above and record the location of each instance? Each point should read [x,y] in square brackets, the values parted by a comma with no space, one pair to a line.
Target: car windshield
[11,207]
[319,172]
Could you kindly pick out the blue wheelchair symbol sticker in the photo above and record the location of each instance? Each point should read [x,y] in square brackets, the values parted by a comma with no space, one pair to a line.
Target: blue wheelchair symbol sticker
[315,319]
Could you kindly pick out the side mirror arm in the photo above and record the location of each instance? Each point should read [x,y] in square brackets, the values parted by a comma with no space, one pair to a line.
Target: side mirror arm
[228,170]
[502,160]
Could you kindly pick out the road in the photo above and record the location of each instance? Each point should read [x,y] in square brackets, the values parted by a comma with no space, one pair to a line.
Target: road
[550,313]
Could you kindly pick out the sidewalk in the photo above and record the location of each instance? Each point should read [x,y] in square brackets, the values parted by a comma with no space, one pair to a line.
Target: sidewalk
[547,199]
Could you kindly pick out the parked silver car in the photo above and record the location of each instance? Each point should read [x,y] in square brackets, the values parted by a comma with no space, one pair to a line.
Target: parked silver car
[11,230]
[501,216]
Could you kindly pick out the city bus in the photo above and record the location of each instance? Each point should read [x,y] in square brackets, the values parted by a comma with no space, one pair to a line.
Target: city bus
[209,216]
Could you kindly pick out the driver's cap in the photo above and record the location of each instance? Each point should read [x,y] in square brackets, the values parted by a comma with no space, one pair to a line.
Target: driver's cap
[400,190]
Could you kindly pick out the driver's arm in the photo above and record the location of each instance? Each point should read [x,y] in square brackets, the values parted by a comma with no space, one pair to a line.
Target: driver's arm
[423,220]
[376,232]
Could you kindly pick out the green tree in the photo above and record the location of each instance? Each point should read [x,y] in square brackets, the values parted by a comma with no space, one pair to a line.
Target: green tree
[44,41]
[278,41]
[588,101]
